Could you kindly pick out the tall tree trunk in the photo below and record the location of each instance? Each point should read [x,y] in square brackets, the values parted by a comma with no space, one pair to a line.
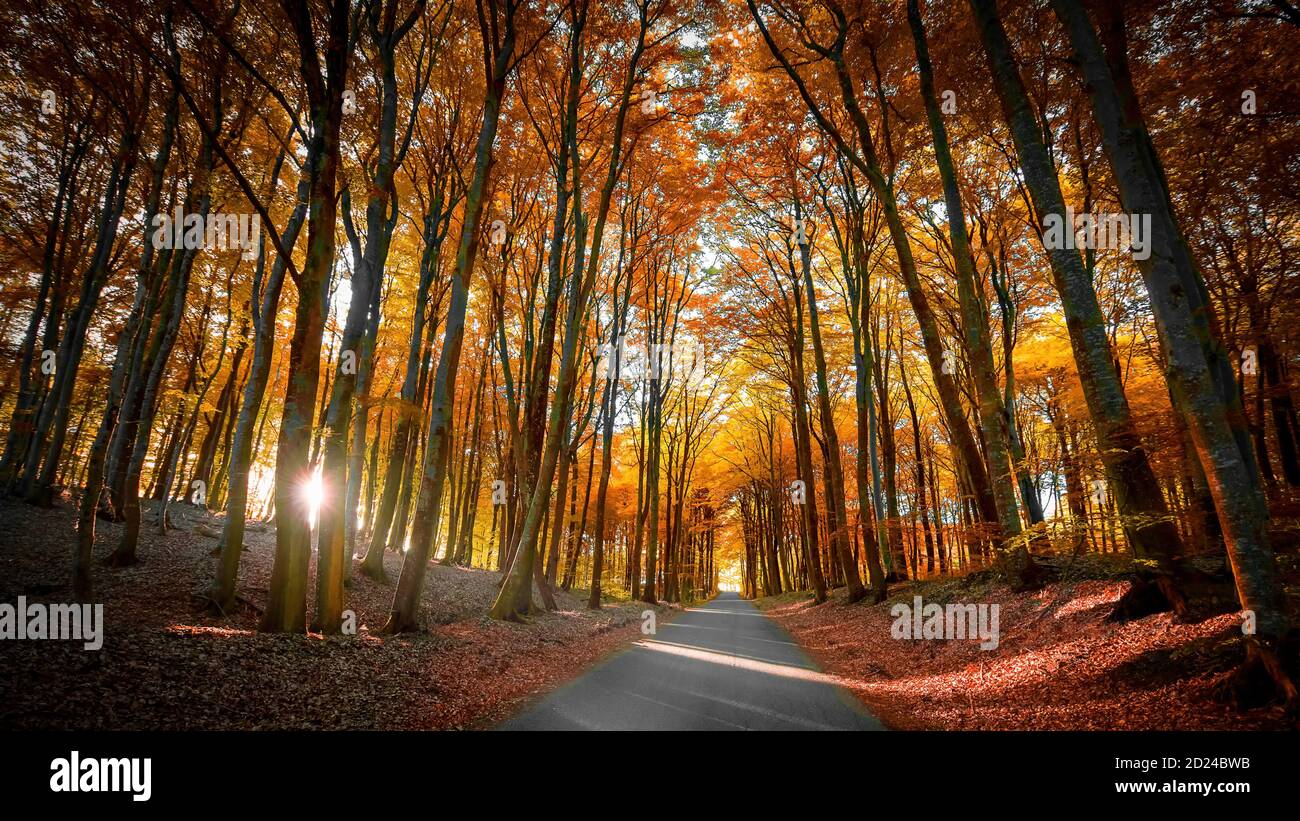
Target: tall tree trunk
[266,305]
[516,590]
[286,608]
[865,158]
[803,451]
[1014,553]
[833,466]
[45,447]
[405,607]
[1198,366]
[1152,535]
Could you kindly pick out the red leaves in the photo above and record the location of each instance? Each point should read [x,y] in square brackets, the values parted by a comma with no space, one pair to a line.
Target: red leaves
[1059,665]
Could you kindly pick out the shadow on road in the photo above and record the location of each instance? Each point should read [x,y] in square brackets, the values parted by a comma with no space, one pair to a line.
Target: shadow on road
[723,666]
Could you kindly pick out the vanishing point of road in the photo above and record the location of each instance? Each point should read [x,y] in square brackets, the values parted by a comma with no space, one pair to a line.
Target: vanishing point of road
[721,666]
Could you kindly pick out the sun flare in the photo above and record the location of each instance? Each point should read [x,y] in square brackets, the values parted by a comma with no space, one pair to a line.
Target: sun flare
[313,495]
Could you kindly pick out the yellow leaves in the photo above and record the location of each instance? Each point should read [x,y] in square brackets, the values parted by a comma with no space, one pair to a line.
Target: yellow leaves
[1046,351]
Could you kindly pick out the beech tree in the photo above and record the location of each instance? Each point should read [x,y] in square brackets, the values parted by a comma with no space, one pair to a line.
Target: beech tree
[804,298]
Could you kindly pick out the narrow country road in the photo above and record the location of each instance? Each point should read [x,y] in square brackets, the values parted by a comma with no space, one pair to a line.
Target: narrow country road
[722,666]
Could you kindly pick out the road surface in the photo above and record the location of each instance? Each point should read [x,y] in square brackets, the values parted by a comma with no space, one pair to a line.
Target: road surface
[721,666]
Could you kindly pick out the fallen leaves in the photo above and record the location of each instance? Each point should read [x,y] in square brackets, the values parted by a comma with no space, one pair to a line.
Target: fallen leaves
[167,665]
[1059,665]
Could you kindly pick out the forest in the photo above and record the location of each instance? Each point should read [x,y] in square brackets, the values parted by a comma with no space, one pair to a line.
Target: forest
[466,341]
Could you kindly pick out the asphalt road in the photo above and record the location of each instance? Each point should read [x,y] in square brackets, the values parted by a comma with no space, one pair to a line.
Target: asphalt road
[722,666]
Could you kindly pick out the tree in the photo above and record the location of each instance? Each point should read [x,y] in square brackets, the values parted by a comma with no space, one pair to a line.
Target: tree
[286,609]
[497,28]
[1203,381]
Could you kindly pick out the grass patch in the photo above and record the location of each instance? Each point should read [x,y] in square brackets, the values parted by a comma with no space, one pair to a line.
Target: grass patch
[782,599]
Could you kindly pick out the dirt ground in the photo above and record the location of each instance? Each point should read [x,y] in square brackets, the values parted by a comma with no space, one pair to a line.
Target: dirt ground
[165,664]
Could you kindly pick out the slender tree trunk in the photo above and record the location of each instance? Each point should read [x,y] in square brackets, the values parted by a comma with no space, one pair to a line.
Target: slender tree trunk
[405,608]
[1150,532]
[286,608]
[1198,367]
[1017,562]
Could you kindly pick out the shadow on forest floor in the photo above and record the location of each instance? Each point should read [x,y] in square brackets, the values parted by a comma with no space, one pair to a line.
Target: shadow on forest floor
[1058,664]
[165,664]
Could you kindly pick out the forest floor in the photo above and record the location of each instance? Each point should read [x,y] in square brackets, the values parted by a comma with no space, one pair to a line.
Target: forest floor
[1059,663]
[165,664]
